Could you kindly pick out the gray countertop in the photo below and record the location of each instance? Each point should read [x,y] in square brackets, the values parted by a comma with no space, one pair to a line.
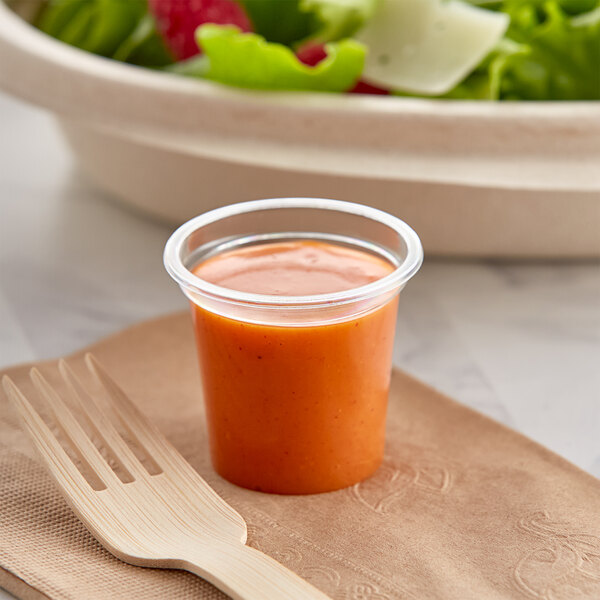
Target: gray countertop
[519,342]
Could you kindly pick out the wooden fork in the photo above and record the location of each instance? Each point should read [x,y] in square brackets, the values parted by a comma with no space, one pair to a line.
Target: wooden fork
[172,519]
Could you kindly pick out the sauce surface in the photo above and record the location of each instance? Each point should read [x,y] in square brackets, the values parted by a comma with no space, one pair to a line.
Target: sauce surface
[295,268]
[295,409]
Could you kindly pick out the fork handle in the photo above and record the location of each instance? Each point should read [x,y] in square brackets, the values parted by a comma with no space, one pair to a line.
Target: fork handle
[248,574]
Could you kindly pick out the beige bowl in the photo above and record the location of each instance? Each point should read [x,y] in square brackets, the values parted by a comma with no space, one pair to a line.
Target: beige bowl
[473,178]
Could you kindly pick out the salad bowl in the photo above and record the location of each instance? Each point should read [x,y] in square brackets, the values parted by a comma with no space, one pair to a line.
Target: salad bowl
[475,178]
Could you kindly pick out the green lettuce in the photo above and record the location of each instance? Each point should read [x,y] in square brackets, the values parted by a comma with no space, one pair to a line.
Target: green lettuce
[551,52]
[293,22]
[119,29]
[247,60]
[571,7]
[563,57]
[98,26]
[280,21]
[338,19]
[485,82]
[144,46]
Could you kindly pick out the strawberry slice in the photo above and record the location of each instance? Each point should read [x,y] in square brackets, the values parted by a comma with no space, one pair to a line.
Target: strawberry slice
[177,21]
[312,54]
[362,87]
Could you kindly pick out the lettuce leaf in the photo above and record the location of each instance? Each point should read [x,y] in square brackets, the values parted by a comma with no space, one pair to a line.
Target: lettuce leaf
[280,21]
[551,52]
[563,57]
[293,22]
[338,18]
[98,26]
[247,60]
[570,7]
[484,83]
[144,46]
[56,15]
[576,7]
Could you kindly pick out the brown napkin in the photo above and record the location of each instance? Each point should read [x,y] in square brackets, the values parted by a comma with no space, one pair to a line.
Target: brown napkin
[462,509]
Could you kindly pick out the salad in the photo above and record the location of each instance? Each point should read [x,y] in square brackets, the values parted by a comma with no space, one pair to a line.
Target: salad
[458,49]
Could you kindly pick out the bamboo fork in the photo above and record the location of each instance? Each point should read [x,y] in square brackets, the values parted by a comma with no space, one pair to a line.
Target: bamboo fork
[172,519]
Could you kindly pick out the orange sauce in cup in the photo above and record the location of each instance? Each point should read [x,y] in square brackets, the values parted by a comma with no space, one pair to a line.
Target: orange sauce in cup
[295,409]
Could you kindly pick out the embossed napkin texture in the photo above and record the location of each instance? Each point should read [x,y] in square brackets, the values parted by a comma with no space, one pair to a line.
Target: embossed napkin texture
[463,508]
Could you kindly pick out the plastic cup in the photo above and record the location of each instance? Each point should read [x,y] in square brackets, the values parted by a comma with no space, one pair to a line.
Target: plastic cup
[295,387]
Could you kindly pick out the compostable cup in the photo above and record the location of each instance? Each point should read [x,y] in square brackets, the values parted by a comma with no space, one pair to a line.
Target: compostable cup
[295,387]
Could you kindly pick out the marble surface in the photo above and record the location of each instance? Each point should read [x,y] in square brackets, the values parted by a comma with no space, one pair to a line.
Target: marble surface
[519,342]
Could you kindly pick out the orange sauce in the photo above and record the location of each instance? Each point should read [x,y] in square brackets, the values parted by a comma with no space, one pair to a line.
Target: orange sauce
[295,409]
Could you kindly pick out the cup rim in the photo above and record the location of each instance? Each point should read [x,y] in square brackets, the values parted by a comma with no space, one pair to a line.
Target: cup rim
[195,285]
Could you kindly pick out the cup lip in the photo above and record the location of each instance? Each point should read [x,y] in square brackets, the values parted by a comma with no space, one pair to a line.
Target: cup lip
[191,283]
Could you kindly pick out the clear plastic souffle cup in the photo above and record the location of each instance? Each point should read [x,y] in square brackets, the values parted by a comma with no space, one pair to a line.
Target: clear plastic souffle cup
[295,387]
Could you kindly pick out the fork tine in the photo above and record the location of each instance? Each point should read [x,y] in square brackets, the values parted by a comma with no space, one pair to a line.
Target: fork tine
[73,431]
[97,515]
[101,424]
[56,459]
[160,449]
[141,428]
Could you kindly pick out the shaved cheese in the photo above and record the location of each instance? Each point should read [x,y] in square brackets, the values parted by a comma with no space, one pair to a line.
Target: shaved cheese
[428,46]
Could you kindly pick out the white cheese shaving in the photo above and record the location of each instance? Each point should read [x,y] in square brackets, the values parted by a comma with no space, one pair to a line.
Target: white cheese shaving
[428,46]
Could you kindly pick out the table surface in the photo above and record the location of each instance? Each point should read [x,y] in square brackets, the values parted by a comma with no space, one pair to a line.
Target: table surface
[519,342]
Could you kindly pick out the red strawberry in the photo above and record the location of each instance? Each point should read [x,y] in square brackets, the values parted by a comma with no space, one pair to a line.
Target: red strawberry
[312,54]
[362,87]
[177,21]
